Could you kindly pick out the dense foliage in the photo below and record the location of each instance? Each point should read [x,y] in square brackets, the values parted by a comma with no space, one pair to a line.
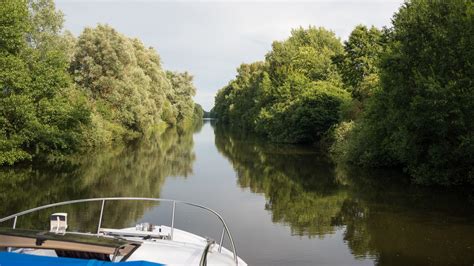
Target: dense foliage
[39,112]
[128,88]
[411,102]
[59,93]
[358,65]
[422,117]
[199,112]
[294,96]
[181,97]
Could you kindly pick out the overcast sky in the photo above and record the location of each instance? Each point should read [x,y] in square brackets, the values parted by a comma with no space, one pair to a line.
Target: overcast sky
[211,39]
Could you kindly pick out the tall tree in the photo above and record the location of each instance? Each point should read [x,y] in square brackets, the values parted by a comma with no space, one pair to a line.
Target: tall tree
[36,114]
[359,65]
[181,95]
[15,109]
[125,79]
[423,116]
[240,101]
[295,96]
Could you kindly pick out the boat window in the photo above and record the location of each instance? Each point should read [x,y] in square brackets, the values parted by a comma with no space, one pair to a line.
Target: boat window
[55,218]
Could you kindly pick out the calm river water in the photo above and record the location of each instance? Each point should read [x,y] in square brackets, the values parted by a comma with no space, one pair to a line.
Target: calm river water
[285,205]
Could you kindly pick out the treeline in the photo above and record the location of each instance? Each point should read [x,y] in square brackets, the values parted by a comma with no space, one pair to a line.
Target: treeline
[294,96]
[396,97]
[59,93]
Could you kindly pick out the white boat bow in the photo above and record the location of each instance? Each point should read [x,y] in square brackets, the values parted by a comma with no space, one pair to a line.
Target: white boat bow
[147,242]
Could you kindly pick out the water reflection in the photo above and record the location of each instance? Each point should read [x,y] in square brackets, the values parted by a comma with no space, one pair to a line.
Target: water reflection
[380,214]
[289,206]
[407,225]
[137,170]
[300,190]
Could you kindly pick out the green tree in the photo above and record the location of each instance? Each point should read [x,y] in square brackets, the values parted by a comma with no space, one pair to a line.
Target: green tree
[306,118]
[181,95]
[295,96]
[421,119]
[308,52]
[359,65]
[14,79]
[128,88]
[198,112]
[305,97]
[124,79]
[359,70]
[36,114]
[239,102]
[59,93]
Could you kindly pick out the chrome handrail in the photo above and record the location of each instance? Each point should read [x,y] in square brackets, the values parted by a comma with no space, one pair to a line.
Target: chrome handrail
[16,215]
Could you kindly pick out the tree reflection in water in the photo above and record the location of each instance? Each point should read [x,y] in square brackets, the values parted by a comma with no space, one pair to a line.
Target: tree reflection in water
[379,213]
[300,190]
[138,169]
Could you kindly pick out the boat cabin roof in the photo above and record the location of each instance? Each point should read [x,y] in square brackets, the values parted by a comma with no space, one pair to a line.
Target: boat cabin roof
[22,238]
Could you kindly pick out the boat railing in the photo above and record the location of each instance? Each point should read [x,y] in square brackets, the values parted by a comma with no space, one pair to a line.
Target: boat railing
[225,228]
